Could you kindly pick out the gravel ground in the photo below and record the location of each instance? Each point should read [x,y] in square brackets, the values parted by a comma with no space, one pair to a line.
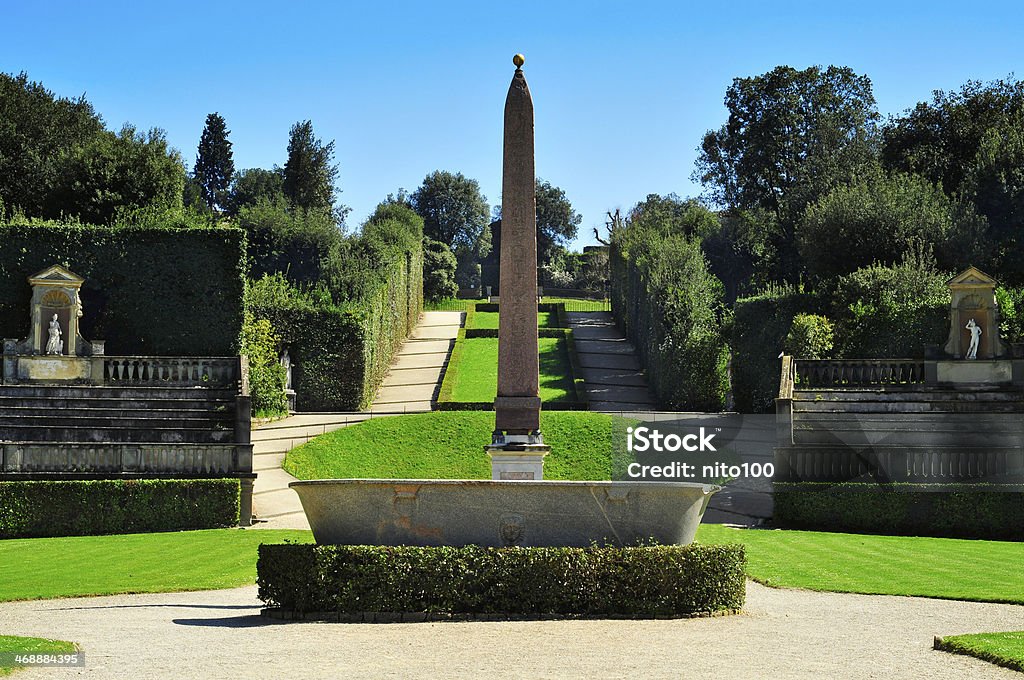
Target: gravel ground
[782,634]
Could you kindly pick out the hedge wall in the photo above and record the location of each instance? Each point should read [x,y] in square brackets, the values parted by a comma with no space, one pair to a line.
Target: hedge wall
[348,582]
[670,307]
[86,508]
[760,326]
[342,342]
[986,511]
[147,291]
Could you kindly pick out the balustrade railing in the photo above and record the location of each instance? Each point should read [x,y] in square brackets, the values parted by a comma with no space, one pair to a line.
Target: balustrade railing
[854,373]
[178,371]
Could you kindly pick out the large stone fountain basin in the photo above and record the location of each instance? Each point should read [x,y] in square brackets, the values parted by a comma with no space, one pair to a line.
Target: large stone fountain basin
[501,513]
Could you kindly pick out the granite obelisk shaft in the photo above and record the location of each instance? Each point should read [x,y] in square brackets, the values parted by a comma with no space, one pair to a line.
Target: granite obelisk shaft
[518,404]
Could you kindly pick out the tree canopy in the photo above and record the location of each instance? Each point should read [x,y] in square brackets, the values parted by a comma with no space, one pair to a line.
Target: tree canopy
[310,172]
[455,212]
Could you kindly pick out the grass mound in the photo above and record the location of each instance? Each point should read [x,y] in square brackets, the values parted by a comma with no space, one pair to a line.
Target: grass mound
[450,445]
[490,320]
[476,378]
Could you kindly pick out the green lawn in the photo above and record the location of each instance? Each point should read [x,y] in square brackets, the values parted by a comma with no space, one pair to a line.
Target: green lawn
[490,320]
[986,571]
[133,563]
[1004,649]
[12,644]
[476,375]
[579,304]
[450,445]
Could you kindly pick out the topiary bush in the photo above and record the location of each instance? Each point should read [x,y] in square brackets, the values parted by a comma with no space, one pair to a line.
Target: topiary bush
[987,511]
[348,582]
[87,508]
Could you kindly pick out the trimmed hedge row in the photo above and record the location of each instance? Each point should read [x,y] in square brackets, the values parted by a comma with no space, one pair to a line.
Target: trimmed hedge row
[147,291]
[670,307]
[117,506]
[985,511]
[637,582]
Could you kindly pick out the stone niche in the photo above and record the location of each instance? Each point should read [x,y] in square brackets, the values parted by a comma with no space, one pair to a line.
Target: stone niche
[55,303]
[973,294]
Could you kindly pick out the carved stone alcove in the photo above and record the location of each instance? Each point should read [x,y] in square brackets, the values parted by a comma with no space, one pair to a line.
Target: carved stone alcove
[973,294]
[55,291]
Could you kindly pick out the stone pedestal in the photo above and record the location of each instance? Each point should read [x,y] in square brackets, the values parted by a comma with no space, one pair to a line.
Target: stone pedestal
[518,462]
[976,373]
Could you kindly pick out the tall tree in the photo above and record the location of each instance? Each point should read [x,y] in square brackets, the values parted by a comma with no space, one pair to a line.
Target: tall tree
[557,223]
[791,136]
[454,212]
[37,132]
[252,185]
[214,164]
[310,172]
[971,142]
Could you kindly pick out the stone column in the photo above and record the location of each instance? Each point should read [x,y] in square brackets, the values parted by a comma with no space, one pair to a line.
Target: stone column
[517,408]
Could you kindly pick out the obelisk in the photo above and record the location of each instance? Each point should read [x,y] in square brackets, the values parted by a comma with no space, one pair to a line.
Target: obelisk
[517,449]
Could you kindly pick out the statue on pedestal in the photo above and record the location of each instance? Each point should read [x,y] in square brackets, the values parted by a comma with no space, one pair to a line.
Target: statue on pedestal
[972,349]
[54,345]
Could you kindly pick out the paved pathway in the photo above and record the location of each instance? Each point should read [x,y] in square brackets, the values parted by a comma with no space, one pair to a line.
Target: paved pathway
[416,374]
[782,634]
[409,387]
[613,378]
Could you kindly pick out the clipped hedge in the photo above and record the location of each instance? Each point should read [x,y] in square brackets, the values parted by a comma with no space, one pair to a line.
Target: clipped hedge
[341,351]
[670,307]
[985,511]
[147,291]
[93,507]
[761,324]
[349,582]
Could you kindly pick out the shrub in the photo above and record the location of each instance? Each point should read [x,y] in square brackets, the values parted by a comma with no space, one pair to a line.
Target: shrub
[297,243]
[147,291]
[670,307]
[87,508]
[1011,313]
[438,271]
[891,312]
[639,582]
[985,511]
[267,377]
[811,336]
[761,327]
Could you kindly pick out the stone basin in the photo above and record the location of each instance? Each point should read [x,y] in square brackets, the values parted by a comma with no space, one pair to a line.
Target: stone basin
[501,513]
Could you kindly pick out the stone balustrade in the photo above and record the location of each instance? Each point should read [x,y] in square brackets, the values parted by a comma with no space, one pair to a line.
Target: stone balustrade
[177,371]
[853,373]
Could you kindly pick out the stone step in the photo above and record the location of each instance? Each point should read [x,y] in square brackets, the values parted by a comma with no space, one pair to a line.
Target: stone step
[628,395]
[621,377]
[121,392]
[595,333]
[413,376]
[110,411]
[606,361]
[616,406]
[116,404]
[414,347]
[61,433]
[78,419]
[900,438]
[616,346]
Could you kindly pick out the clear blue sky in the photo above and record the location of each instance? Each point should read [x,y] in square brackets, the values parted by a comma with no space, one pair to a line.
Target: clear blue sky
[623,90]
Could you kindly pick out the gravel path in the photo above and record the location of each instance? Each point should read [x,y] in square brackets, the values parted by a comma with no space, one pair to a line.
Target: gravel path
[783,634]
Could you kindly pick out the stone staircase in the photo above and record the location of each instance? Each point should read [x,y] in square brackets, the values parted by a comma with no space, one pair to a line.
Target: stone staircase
[86,414]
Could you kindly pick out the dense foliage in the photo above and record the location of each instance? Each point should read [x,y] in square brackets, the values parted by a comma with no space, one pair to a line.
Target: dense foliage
[670,307]
[455,213]
[267,376]
[215,166]
[84,508]
[638,582]
[343,332]
[439,266]
[147,291]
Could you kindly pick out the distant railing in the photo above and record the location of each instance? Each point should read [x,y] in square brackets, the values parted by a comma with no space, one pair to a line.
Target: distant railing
[572,304]
[853,373]
[177,371]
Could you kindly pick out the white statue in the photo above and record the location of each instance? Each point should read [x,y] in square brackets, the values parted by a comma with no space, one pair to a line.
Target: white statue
[975,329]
[54,345]
[286,361]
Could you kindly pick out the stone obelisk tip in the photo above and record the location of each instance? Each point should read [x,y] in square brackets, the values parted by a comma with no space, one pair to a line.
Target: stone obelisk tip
[519,60]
